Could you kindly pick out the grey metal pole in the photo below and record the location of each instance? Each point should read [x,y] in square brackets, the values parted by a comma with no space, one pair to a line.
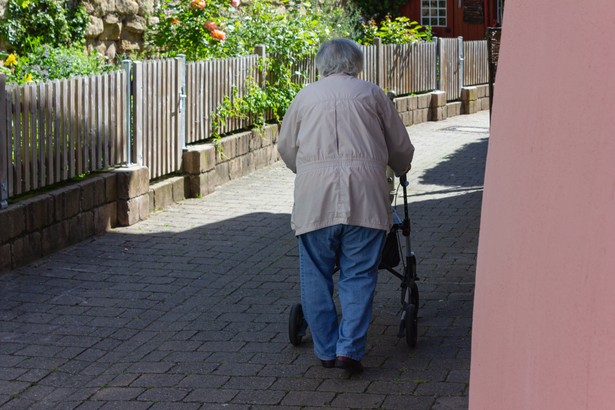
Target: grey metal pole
[461,62]
[4,154]
[126,66]
[182,101]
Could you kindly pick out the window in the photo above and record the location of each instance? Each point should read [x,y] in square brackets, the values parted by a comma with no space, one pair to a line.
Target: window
[433,13]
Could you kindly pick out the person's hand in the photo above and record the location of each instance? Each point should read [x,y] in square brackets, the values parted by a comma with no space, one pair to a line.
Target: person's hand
[406,170]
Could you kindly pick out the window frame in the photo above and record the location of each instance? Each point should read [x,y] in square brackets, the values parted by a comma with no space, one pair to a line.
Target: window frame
[434,13]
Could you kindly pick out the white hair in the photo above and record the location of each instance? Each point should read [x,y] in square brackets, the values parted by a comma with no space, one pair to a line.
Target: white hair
[339,56]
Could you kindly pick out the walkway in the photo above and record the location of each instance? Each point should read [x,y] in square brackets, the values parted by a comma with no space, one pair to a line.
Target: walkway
[189,309]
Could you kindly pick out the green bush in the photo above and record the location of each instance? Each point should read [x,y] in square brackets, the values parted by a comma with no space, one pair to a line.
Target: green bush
[46,63]
[400,30]
[30,23]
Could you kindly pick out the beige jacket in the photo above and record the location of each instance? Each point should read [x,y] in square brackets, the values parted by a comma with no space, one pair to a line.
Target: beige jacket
[338,136]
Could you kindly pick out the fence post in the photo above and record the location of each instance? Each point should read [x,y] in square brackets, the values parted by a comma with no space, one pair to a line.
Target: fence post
[460,62]
[438,63]
[126,66]
[181,117]
[138,112]
[4,157]
[379,63]
[260,50]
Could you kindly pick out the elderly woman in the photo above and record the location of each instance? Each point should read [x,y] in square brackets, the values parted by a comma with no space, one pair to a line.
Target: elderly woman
[338,136]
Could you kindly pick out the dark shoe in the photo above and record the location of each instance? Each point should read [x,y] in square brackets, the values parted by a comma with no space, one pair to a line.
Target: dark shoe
[328,364]
[350,365]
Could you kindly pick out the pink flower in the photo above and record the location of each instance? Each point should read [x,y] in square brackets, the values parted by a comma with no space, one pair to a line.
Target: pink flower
[210,26]
[235,3]
[198,4]
[218,34]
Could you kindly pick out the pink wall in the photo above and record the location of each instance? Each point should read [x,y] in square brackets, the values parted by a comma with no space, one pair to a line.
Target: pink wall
[544,313]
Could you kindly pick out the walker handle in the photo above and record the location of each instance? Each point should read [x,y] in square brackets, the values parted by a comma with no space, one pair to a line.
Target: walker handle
[403,180]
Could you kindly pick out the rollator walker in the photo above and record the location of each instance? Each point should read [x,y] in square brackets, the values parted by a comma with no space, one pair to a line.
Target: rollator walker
[393,253]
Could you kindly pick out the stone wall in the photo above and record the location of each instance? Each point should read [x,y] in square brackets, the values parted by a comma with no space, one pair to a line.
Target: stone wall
[116,26]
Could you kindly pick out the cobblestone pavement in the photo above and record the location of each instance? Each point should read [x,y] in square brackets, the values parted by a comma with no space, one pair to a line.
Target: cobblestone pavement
[189,309]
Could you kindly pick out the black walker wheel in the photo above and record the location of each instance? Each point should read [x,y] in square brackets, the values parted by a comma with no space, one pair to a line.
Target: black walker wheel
[296,324]
[411,325]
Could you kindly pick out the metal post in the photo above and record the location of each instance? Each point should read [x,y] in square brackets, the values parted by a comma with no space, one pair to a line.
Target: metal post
[461,60]
[182,100]
[4,155]
[126,66]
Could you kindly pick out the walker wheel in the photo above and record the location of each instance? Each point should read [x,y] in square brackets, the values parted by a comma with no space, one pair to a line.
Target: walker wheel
[414,298]
[296,325]
[411,324]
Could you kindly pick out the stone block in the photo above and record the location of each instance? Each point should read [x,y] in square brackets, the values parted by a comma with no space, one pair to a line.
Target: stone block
[421,115]
[257,139]
[468,94]
[80,227]
[40,212]
[6,258]
[55,237]
[67,202]
[12,222]
[438,113]
[401,104]
[26,249]
[469,107]
[407,118]
[93,193]
[222,173]
[227,149]
[453,109]
[235,168]
[481,91]
[180,188]
[201,185]
[132,182]
[438,99]
[162,195]
[105,218]
[484,104]
[424,101]
[133,210]
[110,187]
[242,145]
[199,159]
[412,102]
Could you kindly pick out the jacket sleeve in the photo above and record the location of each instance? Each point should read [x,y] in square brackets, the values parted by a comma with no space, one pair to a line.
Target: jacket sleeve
[399,146]
[287,141]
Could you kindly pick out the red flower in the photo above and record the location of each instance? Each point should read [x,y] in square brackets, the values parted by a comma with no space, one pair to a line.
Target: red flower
[218,34]
[198,4]
[210,26]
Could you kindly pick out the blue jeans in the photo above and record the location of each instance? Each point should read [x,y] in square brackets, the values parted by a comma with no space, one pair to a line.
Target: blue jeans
[357,252]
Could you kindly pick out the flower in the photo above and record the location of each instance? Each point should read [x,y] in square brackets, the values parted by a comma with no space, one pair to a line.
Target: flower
[28,78]
[198,4]
[218,34]
[210,26]
[235,3]
[174,20]
[10,61]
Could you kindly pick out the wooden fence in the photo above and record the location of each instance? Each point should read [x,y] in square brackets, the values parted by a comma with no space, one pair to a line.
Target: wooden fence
[52,132]
[55,131]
